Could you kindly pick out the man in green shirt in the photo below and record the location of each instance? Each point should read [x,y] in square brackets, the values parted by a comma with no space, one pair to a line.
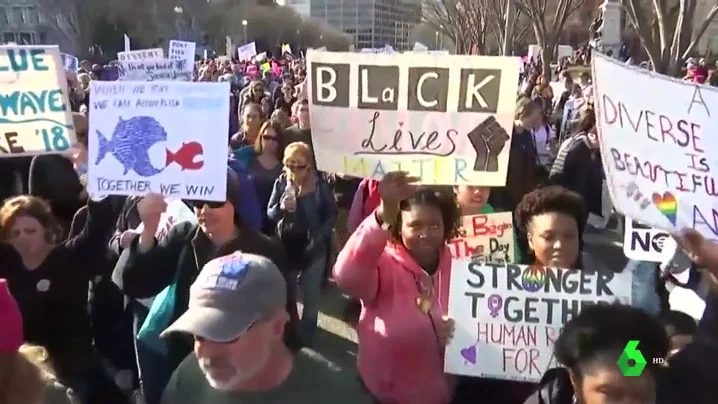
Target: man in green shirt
[237,315]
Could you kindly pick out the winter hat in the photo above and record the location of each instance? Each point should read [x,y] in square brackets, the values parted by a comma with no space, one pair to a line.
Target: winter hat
[10,321]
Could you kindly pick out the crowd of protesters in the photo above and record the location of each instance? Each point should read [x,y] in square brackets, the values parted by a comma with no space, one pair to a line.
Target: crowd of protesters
[75,326]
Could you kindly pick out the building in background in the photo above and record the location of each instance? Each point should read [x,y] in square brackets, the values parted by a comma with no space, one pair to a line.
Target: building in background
[23,22]
[371,23]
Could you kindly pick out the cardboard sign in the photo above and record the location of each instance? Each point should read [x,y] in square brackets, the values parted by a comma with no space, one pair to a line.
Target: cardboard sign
[156,70]
[447,119]
[140,54]
[35,113]
[486,238]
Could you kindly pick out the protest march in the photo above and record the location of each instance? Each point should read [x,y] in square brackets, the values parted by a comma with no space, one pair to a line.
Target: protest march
[302,224]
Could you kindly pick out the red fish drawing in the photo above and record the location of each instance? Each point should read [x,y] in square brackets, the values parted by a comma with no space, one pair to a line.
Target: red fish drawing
[186,155]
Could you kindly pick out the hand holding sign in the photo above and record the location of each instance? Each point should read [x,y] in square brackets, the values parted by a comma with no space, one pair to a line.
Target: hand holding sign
[150,208]
[394,188]
[488,140]
[446,331]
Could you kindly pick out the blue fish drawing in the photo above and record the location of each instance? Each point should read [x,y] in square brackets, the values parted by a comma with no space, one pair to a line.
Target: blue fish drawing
[131,140]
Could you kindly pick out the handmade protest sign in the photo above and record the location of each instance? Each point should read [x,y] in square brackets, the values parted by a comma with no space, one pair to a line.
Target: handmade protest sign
[658,145]
[247,51]
[141,54]
[508,316]
[447,119]
[156,70]
[182,50]
[486,238]
[158,137]
[645,243]
[69,63]
[35,114]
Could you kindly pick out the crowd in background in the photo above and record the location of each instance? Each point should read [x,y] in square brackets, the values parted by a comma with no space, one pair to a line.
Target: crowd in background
[384,243]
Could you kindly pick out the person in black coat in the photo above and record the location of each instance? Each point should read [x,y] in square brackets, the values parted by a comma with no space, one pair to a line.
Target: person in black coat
[147,267]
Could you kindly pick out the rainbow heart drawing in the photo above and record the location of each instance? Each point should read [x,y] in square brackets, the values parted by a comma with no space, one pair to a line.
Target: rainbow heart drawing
[667,204]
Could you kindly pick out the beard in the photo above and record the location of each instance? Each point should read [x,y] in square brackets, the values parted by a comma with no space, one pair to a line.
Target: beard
[225,374]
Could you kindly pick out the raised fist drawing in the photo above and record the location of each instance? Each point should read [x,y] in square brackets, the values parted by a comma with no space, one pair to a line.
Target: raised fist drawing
[488,140]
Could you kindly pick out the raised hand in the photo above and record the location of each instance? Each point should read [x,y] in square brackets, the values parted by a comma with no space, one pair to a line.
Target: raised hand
[394,188]
[150,208]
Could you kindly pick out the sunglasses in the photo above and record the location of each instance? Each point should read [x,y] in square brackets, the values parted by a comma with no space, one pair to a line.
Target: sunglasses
[210,204]
[296,167]
[270,138]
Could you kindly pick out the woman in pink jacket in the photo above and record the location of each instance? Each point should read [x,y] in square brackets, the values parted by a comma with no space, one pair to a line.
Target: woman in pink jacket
[397,263]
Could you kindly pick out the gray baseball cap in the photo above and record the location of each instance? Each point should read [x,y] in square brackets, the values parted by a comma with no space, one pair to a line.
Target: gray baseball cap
[230,294]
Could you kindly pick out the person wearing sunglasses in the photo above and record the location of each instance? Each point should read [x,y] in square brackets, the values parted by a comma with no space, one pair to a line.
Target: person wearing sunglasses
[262,162]
[148,266]
[303,205]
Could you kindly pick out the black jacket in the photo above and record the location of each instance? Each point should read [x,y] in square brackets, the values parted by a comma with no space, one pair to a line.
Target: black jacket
[579,169]
[187,249]
[690,376]
[53,297]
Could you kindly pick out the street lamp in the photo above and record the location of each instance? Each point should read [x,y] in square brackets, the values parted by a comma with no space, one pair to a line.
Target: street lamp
[178,20]
[244,30]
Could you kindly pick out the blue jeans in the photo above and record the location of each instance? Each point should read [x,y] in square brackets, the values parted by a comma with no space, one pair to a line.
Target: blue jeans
[643,286]
[312,278]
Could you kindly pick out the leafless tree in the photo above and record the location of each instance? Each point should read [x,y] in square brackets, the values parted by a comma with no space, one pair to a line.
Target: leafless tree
[495,12]
[666,29]
[462,21]
[548,18]
[73,20]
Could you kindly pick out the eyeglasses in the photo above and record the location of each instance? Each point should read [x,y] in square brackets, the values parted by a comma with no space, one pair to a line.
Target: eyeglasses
[210,204]
[297,167]
[270,138]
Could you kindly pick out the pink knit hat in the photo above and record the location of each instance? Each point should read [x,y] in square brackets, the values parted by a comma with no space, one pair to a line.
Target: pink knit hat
[10,320]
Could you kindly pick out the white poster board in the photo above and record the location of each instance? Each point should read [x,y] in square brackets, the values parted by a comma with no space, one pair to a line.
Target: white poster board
[182,50]
[447,119]
[658,146]
[158,137]
[156,70]
[645,243]
[35,113]
[140,54]
[508,317]
[247,51]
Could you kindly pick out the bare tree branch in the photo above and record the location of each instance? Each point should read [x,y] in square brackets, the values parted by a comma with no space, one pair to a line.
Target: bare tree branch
[547,32]
[667,33]
[465,22]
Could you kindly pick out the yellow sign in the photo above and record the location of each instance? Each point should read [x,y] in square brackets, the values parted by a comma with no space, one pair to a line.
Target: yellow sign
[35,113]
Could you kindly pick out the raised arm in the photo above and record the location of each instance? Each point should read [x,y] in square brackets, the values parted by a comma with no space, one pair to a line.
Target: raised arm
[96,232]
[357,268]
[143,272]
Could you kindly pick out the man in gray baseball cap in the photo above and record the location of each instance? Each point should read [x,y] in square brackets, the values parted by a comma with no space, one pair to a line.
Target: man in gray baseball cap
[231,294]
[237,314]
